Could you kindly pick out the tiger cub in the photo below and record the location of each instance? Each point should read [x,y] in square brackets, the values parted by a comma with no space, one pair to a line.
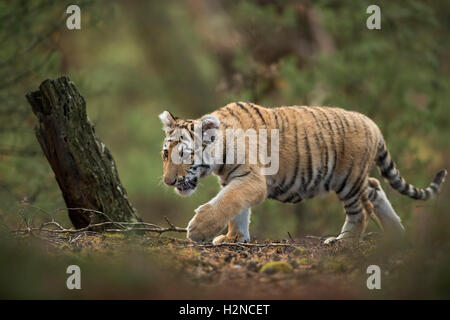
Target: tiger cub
[318,149]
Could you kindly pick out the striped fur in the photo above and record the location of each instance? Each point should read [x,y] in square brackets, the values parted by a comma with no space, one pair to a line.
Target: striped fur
[396,181]
[321,149]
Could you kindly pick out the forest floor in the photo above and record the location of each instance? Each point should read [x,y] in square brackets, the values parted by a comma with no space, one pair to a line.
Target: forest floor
[159,266]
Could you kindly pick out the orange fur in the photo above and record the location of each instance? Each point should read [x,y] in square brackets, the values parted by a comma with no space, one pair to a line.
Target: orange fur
[321,149]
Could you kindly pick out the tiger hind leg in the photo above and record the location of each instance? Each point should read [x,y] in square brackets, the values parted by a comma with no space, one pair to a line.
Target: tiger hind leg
[383,210]
[358,210]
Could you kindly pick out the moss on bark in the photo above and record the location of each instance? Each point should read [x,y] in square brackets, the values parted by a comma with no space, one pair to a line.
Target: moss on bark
[84,168]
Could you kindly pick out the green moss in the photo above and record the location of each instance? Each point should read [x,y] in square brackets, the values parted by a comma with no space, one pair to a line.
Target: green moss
[276,266]
[114,235]
[303,261]
[300,252]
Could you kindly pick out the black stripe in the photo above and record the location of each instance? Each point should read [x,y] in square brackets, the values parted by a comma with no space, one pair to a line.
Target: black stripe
[184,126]
[346,120]
[309,155]
[344,182]
[362,177]
[281,190]
[396,182]
[327,183]
[224,159]
[349,205]
[333,145]
[248,112]
[326,155]
[222,113]
[289,199]
[292,197]
[259,113]
[231,112]
[243,174]
[405,188]
[382,157]
[231,171]
[393,174]
[385,171]
[314,116]
[174,118]
[278,190]
[276,120]
[360,192]
[277,124]
[318,177]
[297,200]
[284,125]
[297,166]
[354,122]
[357,187]
[423,194]
[191,131]
[285,117]
[372,194]
[354,212]
[330,126]
[415,195]
[434,188]
[319,147]
[342,130]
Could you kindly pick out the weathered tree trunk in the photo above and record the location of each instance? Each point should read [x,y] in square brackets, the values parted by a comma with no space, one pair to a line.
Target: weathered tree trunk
[83,166]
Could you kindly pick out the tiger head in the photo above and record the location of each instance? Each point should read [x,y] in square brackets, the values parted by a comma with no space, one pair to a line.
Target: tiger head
[182,153]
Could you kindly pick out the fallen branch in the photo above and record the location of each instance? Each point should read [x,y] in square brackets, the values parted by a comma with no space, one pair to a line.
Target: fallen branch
[125,227]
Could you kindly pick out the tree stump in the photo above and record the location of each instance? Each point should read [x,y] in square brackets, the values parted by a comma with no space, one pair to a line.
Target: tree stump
[84,168]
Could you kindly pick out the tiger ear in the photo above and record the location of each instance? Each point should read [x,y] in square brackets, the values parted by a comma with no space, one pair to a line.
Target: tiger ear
[167,119]
[210,122]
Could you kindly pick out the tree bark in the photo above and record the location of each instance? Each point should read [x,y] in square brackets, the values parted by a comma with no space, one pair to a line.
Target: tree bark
[84,168]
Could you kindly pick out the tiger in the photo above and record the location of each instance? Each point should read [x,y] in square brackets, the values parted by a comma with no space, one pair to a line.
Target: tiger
[320,150]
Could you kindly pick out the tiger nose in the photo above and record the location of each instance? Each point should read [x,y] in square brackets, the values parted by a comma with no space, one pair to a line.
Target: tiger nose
[170,181]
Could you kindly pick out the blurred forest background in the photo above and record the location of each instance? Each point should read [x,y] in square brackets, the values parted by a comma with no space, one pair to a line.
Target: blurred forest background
[133,59]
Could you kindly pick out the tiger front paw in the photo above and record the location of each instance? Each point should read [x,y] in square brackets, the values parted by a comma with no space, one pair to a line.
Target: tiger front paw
[204,226]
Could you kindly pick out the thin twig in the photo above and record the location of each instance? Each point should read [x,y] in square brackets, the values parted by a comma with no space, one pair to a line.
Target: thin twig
[124,226]
[290,237]
[231,244]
